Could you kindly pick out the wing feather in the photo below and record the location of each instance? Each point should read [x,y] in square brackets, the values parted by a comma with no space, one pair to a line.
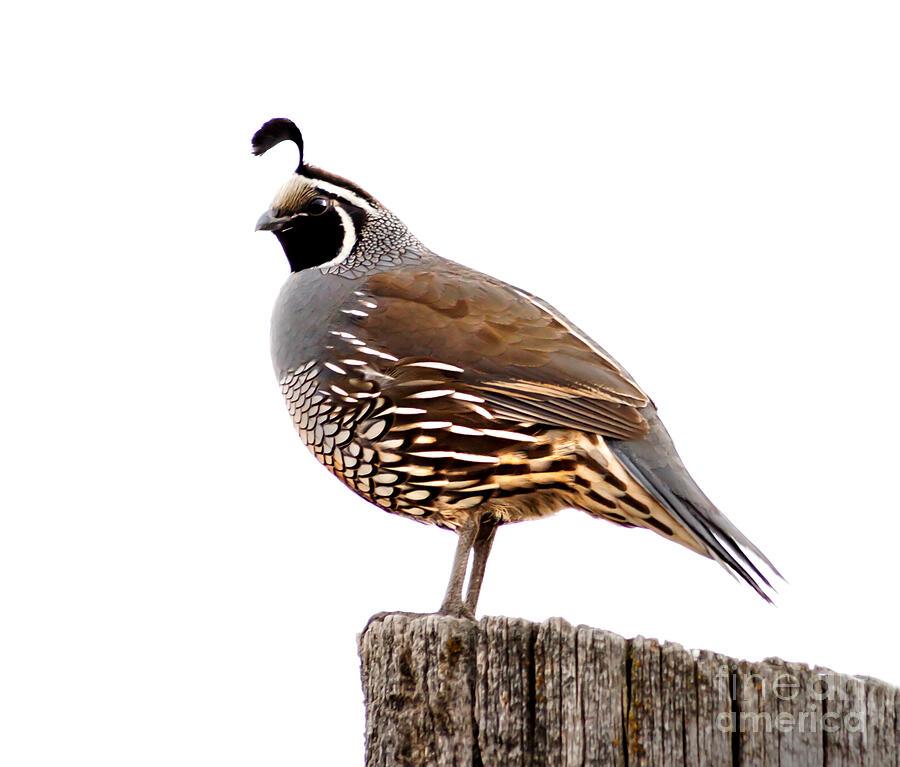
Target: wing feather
[523,355]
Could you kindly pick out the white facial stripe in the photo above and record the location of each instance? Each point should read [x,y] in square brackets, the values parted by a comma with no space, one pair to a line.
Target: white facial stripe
[341,192]
[296,186]
[349,238]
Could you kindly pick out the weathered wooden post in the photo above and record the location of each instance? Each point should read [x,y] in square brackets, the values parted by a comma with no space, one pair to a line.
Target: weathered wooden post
[504,691]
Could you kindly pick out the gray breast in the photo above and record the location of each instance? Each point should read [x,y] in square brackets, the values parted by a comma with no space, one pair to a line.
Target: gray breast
[308,307]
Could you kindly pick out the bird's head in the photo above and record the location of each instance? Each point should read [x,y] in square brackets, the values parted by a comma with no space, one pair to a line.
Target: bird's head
[316,216]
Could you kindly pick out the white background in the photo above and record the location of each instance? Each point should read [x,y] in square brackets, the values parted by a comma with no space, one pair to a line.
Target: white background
[709,189]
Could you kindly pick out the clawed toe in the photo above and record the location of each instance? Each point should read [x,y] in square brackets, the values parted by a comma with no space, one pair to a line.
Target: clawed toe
[378,617]
[457,610]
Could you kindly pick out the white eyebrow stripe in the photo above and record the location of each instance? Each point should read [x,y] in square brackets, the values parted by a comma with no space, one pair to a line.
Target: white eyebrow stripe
[339,191]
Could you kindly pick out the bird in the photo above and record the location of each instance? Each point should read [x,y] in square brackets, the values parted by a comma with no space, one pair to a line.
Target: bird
[449,397]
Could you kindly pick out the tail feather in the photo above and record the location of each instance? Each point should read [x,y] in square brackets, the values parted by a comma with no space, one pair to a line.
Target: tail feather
[656,466]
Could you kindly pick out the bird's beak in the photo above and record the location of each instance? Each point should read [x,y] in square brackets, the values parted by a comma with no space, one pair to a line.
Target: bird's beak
[268,222]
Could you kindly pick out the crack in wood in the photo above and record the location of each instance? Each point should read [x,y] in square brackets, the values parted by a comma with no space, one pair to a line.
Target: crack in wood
[446,691]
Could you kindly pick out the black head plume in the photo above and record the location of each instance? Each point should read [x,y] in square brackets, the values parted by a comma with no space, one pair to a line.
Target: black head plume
[274,132]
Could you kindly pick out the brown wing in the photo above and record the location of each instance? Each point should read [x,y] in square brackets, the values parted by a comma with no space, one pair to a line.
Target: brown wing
[527,360]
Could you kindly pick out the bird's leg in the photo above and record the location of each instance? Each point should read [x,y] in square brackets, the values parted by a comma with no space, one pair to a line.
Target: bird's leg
[482,548]
[453,604]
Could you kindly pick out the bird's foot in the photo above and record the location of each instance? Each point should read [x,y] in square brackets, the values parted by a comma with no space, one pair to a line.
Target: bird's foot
[378,617]
[457,609]
[451,610]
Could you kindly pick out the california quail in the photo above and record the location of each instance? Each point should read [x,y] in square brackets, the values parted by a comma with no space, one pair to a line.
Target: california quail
[449,397]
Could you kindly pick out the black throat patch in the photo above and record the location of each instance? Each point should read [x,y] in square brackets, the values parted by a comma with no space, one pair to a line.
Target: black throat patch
[310,241]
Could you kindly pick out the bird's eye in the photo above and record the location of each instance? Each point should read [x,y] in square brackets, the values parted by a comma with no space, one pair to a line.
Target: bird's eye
[317,206]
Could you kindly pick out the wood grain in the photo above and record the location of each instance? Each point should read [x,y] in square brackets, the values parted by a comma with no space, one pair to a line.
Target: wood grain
[504,691]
